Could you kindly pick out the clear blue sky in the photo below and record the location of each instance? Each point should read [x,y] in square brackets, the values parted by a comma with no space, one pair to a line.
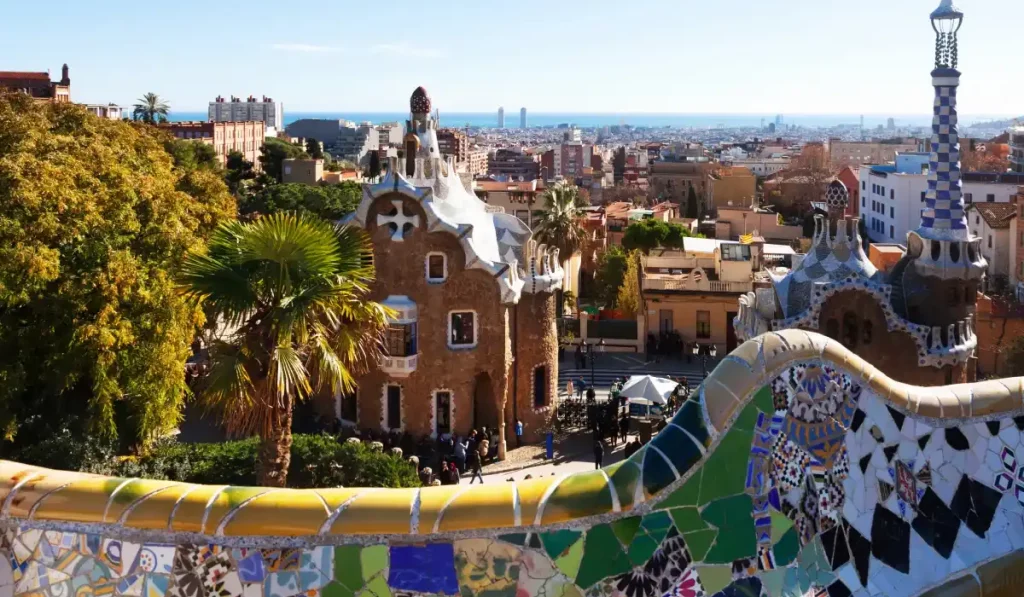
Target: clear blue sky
[738,56]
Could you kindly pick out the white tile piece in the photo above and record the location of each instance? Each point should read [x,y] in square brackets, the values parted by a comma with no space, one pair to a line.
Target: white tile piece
[877,412]
[908,451]
[1009,433]
[922,428]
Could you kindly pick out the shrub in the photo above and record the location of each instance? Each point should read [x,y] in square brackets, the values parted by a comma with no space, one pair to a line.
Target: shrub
[318,460]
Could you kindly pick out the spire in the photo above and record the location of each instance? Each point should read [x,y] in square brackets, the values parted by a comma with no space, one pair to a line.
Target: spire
[943,216]
[419,103]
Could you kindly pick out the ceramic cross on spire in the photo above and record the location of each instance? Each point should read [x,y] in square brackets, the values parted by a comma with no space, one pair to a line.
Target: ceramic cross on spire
[943,216]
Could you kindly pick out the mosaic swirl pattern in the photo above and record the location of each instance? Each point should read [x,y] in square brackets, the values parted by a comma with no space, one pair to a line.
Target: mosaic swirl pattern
[801,470]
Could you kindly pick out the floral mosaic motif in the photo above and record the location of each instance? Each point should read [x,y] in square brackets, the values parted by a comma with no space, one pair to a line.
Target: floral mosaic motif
[1012,478]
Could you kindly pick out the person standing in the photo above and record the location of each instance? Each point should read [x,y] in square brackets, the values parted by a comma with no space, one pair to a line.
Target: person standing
[519,433]
[460,454]
[475,467]
[624,427]
[598,454]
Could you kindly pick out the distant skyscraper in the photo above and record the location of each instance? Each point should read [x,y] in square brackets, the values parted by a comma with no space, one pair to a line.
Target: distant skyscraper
[891,124]
[778,119]
[501,118]
[522,118]
[862,121]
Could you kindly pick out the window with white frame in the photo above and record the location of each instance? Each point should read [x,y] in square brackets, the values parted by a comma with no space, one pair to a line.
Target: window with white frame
[437,267]
[462,329]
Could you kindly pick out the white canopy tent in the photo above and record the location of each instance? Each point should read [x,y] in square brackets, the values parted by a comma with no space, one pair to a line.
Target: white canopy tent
[653,389]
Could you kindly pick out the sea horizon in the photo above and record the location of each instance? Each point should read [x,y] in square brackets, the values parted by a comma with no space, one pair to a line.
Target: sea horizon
[594,120]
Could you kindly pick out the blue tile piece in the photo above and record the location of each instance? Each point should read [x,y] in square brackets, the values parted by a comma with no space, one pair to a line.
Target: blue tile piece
[424,568]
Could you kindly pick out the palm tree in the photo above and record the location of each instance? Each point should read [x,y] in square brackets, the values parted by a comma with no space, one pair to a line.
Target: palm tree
[151,109]
[290,289]
[561,223]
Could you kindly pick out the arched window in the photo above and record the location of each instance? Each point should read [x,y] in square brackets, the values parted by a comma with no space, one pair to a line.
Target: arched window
[866,330]
[832,329]
[850,337]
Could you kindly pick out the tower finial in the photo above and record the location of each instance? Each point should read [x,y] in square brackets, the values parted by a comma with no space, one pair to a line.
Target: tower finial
[946,21]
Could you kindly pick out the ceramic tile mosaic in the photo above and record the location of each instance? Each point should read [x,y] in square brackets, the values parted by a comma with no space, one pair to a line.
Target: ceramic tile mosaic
[817,480]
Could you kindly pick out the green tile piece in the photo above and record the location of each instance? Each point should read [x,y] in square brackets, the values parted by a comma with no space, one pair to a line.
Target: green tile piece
[714,578]
[732,516]
[625,528]
[727,466]
[699,542]
[347,568]
[763,400]
[514,538]
[780,524]
[787,548]
[687,519]
[773,581]
[641,549]
[657,525]
[335,589]
[377,587]
[688,494]
[374,559]
[556,542]
[569,564]
[625,477]
[747,418]
[602,557]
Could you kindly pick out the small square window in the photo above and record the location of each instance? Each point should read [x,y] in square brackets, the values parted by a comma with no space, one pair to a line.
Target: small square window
[969,197]
[462,329]
[990,198]
[437,267]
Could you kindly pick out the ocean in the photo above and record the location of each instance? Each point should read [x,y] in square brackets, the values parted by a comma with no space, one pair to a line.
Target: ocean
[592,120]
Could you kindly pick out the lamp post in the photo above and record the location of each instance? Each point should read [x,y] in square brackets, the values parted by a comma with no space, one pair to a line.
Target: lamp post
[712,350]
[590,349]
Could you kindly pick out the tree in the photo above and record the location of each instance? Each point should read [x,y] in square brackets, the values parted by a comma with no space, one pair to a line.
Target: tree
[275,152]
[692,211]
[611,268]
[239,171]
[314,149]
[374,170]
[561,223]
[649,233]
[190,155]
[619,164]
[95,216]
[151,109]
[292,291]
[329,201]
[628,300]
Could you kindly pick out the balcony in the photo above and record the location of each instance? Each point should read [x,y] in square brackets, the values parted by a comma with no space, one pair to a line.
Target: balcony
[690,285]
[401,338]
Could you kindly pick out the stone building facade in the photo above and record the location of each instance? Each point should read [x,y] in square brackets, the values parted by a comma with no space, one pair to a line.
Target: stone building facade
[473,340]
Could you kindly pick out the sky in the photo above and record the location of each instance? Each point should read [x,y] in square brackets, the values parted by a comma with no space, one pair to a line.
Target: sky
[660,56]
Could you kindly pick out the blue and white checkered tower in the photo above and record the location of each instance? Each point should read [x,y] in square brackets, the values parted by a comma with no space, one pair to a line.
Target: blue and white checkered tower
[943,243]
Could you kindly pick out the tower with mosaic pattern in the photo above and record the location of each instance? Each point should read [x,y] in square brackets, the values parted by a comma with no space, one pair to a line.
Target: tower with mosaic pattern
[936,283]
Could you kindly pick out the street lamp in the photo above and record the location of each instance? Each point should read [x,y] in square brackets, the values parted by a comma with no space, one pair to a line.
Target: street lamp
[712,350]
[590,349]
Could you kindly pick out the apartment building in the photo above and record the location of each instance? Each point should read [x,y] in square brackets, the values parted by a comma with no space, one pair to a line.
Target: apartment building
[225,137]
[266,110]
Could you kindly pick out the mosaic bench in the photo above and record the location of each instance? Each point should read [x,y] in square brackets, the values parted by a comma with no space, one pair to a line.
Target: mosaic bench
[801,470]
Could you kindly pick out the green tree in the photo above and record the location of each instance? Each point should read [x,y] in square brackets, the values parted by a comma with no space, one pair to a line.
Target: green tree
[151,109]
[292,291]
[374,170]
[561,222]
[191,155]
[94,217]
[645,235]
[274,152]
[692,210]
[611,268]
[239,173]
[314,149]
[329,201]
[629,300]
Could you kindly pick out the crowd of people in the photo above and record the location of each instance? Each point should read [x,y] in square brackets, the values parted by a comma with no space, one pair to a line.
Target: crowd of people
[461,457]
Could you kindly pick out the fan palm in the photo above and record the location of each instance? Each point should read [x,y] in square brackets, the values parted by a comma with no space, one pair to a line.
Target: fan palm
[561,222]
[289,290]
[151,109]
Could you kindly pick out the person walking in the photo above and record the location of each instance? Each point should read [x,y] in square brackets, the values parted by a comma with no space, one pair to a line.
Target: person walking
[475,467]
[598,454]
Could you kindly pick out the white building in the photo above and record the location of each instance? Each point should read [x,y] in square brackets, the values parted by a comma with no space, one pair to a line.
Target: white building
[266,110]
[390,134]
[762,166]
[522,118]
[991,223]
[108,111]
[1017,148]
[892,196]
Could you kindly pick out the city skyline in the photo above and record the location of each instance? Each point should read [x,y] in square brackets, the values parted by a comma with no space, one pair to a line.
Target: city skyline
[118,56]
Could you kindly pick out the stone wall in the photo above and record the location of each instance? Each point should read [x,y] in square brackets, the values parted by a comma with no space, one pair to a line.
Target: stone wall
[401,270]
[535,345]
[797,469]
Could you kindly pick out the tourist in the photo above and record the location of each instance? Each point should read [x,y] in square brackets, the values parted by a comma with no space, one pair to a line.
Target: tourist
[598,453]
[519,433]
[453,473]
[591,395]
[568,388]
[460,454]
[581,385]
[624,426]
[484,449]
[474,467]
